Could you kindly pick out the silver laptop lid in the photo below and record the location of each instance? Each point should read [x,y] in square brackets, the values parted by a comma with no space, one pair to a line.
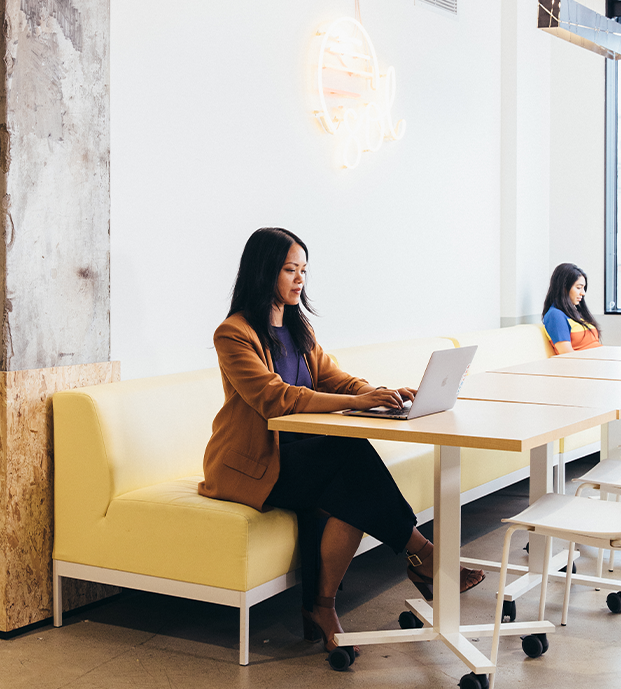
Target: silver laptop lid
[438,388]
[442,381]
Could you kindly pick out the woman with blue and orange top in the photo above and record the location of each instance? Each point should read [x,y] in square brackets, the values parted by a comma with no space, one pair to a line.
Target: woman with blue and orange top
[568,322]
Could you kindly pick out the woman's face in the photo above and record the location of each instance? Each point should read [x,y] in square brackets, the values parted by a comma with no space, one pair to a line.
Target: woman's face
[291,277]
[577,291]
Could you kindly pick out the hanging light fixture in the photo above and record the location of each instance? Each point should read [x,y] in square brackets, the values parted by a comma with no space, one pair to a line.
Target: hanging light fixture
[578,24]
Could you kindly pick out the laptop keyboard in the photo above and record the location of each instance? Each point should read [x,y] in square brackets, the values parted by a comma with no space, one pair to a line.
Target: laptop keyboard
[396,412]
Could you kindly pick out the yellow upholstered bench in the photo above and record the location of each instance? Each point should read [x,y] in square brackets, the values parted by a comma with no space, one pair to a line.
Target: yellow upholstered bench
[128,459]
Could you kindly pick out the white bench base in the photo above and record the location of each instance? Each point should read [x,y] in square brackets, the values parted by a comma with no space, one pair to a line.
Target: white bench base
[243,600]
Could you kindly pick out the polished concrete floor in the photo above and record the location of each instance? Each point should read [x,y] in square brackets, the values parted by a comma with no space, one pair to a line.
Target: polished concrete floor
[144,640]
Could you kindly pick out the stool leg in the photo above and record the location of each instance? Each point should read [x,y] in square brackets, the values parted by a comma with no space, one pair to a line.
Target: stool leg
[570,562]
[499,600]
[611,561]
[600,564]
[544,577]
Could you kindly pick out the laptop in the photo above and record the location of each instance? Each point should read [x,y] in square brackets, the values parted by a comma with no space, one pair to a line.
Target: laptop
[438,388]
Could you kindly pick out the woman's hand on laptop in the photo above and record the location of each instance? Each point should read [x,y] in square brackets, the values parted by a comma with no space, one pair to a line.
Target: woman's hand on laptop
[407,393]
[368,397]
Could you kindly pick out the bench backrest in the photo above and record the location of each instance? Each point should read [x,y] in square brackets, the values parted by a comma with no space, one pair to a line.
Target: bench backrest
[393,364]
[112,439]
[501,347]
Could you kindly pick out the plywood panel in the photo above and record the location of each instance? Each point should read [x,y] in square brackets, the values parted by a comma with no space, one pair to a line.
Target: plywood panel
[27,491]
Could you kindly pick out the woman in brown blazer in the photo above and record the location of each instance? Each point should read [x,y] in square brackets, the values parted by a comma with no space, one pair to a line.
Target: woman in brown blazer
[271,365]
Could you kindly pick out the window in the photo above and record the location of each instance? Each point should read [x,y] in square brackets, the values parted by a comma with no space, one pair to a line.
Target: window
[613,260]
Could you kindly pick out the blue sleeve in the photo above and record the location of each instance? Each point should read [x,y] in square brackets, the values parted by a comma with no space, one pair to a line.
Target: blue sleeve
[557,326]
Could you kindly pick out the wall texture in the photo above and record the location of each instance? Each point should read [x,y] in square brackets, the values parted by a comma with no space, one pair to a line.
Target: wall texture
[213,135]
[54,183]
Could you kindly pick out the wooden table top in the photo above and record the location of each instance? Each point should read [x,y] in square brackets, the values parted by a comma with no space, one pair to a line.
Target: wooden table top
[555,390]
[568,368]
[606,353]
[471,423]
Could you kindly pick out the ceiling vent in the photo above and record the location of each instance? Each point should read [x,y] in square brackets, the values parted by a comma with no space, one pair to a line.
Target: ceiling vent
[448,5]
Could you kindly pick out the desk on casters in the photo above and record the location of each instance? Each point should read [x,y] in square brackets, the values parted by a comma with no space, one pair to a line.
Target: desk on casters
[478,424]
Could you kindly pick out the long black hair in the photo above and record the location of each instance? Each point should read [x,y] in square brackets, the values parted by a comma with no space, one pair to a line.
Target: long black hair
[255,289]
[563,279]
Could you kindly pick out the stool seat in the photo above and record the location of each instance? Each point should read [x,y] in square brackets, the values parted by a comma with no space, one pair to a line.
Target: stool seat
[605,476]
[573,517]
[606,472]
[576,519]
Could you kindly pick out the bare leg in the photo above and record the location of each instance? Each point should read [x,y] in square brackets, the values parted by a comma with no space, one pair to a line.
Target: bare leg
[338,546]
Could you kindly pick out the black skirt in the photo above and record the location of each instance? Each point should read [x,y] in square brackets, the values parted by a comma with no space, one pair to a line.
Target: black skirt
[346,478]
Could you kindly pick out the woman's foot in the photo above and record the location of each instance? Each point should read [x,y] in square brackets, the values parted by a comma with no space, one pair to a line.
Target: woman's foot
[328,622]
[325,621]
[469,578]
[420,572]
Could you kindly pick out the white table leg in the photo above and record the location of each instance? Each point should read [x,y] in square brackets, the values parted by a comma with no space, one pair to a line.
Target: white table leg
[540,484]
[611,440]
[443,621]
[446,538]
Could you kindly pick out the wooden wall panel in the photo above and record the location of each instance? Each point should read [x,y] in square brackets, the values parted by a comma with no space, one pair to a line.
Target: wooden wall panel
[27,491]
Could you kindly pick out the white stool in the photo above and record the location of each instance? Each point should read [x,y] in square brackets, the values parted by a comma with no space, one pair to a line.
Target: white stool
[605,477]
[591,522]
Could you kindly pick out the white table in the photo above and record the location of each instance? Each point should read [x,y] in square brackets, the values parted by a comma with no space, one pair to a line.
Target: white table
[568,367]
[479,424]
[549,390]
[605,353]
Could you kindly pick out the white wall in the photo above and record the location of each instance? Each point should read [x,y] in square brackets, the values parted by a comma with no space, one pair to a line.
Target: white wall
[213,136]
[525,162]
[577,168]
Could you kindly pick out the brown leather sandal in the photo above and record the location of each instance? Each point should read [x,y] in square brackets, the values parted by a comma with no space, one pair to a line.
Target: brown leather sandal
[467,577]
[422,582]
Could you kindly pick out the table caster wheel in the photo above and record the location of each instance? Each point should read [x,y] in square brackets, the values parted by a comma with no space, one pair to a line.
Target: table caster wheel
[341,658]
[535,645]
[509,609]
[408,620]
[472,681]
[613,601]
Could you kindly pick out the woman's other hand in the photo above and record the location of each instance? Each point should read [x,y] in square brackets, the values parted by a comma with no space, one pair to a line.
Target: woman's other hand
[382,397]
[407,393]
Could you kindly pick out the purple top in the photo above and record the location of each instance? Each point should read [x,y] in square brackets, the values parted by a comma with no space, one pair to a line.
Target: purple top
[291,366]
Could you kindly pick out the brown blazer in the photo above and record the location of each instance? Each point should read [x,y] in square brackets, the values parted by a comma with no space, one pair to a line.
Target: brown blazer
[242,459]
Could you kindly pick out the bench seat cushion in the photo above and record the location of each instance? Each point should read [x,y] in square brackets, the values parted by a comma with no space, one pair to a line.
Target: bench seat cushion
[411,465]
[481,466]
[168,530]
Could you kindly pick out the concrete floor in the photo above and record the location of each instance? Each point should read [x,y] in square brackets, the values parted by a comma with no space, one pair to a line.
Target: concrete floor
[144,640]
